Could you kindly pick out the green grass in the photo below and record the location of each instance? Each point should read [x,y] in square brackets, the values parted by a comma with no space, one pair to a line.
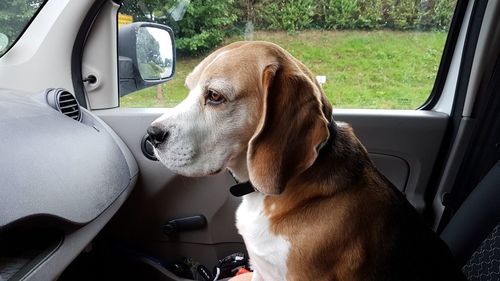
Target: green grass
[378,69]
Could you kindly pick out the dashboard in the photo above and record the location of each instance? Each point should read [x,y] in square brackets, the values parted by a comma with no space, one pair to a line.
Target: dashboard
[63,174]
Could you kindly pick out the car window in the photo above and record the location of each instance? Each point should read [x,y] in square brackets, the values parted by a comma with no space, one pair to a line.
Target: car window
[15,16]
[366,54]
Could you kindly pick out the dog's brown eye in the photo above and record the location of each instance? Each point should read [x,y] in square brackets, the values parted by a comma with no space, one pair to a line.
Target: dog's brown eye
[215,98]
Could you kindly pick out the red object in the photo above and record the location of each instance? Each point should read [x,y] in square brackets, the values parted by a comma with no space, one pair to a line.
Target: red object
[242,270]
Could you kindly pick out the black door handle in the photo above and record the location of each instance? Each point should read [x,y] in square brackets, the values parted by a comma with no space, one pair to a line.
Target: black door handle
[184,224]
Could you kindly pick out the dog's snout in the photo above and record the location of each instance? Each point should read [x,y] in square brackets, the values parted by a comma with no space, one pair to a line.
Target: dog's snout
[157,134]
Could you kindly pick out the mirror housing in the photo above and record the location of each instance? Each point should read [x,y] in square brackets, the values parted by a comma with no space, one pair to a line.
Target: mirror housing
[146,54]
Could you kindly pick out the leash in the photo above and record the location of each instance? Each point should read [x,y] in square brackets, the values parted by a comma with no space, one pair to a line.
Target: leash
[244,188]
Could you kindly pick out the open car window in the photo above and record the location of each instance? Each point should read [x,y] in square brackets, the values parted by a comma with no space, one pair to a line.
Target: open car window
[370,54]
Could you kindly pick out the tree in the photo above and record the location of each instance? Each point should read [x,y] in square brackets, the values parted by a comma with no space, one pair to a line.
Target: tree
[143,10]
[15,15]
[150,62]
[205,25]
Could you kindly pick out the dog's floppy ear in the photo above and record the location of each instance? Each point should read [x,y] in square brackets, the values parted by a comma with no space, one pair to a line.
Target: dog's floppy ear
[292,127]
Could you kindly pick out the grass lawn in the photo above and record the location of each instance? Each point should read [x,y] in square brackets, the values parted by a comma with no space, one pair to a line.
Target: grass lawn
[378,69]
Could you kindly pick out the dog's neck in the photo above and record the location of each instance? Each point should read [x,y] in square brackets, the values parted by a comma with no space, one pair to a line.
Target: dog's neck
[237,166]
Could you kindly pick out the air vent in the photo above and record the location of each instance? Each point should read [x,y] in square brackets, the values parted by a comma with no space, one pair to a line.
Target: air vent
[64,102]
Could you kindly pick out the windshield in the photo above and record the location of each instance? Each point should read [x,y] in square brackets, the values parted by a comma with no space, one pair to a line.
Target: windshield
[15,16]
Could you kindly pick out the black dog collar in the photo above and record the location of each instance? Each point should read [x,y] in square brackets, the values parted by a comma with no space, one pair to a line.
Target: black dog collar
[332,128]
[244,188]
[241,189]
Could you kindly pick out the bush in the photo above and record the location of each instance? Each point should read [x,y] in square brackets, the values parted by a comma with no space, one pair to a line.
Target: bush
[349,14]
[404,14]
[420,14]
[371,14]
[289,15]
[338,14]
[205,25]
[394,14]
[443,13]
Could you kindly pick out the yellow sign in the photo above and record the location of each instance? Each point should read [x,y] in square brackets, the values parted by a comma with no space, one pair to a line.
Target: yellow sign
[124,19]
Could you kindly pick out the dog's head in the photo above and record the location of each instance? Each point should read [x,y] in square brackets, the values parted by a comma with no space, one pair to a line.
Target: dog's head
[248,99]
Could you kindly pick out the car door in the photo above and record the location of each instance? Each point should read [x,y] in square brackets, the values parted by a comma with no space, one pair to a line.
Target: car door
[412,147]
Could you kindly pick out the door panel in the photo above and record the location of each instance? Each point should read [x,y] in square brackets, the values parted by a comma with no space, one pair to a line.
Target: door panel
[160,196]
[413,136]
[403,145]
[394,168]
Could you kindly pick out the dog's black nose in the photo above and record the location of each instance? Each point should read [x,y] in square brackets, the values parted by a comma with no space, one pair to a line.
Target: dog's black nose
[157,135]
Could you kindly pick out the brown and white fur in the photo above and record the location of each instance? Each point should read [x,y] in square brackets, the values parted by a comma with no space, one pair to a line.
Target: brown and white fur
[321,211]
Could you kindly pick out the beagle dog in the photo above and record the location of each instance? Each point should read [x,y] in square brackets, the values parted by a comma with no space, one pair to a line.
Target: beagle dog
[320,210]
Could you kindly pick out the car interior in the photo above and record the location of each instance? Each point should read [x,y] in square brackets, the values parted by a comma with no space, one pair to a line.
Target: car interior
[82,198]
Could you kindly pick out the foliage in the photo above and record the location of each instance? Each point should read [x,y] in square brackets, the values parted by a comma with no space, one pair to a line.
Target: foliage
[148,49]
[205,25]
[403,14]
[349,14]
[353,14]
[371,14]
[15,15]
[289,15]
[442,13]
[338,14]
[143,10]
[375,69]
[419,14]
[151,64]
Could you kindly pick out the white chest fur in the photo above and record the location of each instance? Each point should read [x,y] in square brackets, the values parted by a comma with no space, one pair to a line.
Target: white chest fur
[268,252]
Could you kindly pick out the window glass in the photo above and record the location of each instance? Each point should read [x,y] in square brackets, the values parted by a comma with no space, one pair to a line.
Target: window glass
[366,53]
[15,15]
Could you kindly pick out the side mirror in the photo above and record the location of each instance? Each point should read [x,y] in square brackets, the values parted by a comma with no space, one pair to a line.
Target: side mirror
[146,55]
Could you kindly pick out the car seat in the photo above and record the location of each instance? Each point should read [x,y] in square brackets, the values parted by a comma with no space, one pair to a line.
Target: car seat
[473,233]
